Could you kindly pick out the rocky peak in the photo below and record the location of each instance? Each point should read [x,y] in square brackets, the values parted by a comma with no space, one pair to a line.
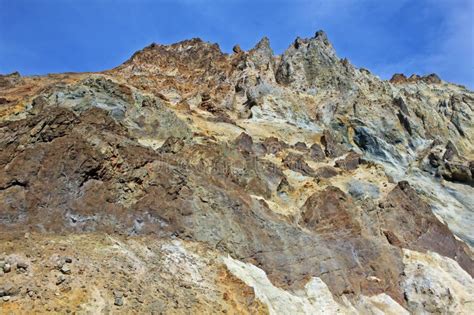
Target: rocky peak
[321,35]
[317,177]
[177,70]
[262,54]
[263,44]
[187,51]
[9,79]
[312,63]
[400,78]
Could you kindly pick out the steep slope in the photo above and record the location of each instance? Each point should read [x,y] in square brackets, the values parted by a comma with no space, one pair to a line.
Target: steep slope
[247,182]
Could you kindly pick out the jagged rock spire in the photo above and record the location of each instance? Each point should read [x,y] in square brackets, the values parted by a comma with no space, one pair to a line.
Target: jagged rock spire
[321,35]
[262,53]
[311,63]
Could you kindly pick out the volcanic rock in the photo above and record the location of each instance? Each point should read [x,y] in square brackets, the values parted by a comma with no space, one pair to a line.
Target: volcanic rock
[316,153]
[184,178]
[331,147]
[349,162]
[297,163]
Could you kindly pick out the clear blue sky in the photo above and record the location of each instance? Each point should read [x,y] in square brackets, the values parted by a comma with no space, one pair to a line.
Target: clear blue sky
[384,36]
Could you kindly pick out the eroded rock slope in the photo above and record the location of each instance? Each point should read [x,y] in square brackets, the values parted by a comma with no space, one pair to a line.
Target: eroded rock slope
[187,180]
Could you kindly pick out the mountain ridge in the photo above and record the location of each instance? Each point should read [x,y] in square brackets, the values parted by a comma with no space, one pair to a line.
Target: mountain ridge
[266,178]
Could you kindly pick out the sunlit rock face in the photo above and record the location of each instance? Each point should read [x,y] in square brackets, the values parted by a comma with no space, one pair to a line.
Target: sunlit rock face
[245,183]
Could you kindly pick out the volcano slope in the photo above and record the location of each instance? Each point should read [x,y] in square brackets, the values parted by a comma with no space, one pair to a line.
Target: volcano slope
[187,181]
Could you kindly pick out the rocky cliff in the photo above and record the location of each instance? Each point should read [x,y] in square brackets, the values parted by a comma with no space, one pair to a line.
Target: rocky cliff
[187,180]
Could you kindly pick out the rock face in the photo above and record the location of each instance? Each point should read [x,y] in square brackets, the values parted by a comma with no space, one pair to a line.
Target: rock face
[241,183]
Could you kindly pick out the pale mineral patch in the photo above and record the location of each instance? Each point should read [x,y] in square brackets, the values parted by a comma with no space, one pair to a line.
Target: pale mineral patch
[437,284]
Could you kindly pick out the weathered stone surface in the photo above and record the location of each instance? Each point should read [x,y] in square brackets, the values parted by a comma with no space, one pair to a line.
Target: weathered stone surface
[244,143]
[432,78]
[316,153]
[421,229]
[450,152]
[361,190]
[349,162]
[152,174]
[457,172]
[432,284]
[297,163]
[326,172]
[328,210]
[273,145]
[331,147]
[300,146]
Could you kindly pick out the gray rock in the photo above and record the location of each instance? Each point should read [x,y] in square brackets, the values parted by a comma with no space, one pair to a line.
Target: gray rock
[60,279]
[8,289]
[313,63]
[370,143]
[22,265]
[405,122]
[262,54]
[118,301]
[7,268]
[361,190]
[450,152]
[65,269]
[400,103]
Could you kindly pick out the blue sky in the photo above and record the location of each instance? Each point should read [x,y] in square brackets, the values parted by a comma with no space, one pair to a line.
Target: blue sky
[384,36]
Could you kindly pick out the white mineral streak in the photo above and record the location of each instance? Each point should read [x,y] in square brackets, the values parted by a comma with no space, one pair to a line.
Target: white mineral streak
[436,284]
[314,299]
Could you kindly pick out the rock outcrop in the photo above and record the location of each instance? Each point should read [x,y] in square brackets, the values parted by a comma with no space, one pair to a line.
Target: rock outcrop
[187,180]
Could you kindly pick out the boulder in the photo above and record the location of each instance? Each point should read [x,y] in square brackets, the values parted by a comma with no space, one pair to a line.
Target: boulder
[236,49]
[457,172]
[421,230]
[326,172]
[316,153]
[332,148]
[350,162]
[273,145]
[451,151]
[244,143]
[296,162]
[300,146]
